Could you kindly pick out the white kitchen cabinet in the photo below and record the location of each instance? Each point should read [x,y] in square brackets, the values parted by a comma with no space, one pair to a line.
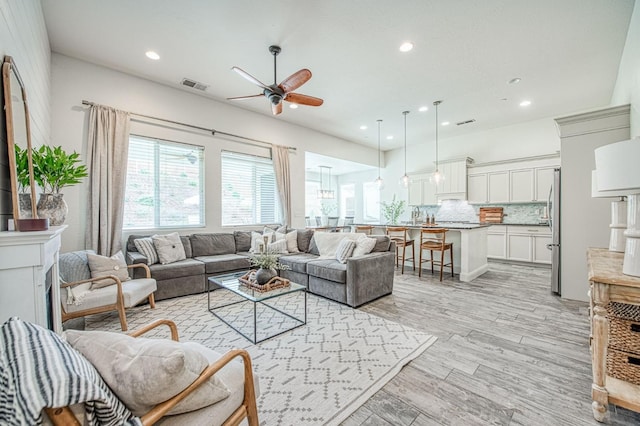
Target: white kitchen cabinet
[454,184]
[497,242]
[519,247]
[541,254]
[428,192]
[415,191]
[521,185]
[544,181]
[498,187]
[421,190]
[528,244]
[477,188]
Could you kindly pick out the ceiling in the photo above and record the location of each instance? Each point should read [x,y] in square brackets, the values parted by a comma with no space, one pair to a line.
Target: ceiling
[566,52]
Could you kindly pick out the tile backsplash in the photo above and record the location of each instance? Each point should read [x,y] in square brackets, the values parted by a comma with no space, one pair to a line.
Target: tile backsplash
[461,211]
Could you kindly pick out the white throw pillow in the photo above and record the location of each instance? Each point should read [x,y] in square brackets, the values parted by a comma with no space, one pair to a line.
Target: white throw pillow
[147,249]
[257,242]
[278,247]
[292,241]
[169,248]
[101,266]
[364,245]
[145,372]
[345,250]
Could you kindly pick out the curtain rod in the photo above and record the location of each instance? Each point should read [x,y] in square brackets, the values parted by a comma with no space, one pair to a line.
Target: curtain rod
[212,131]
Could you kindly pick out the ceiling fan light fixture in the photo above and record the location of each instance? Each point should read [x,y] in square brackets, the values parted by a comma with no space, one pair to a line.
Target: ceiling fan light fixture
[293,106]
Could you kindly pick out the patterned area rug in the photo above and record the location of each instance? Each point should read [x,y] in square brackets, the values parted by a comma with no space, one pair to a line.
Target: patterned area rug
[317,374]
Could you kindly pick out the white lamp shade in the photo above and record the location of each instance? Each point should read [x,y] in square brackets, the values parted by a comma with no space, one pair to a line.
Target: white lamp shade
[617,167]
[603,194]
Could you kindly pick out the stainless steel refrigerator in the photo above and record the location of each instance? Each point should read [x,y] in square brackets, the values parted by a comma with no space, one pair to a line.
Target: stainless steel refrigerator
[553,207]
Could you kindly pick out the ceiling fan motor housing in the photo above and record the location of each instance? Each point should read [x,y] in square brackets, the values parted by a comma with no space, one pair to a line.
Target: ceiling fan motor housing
[274,97]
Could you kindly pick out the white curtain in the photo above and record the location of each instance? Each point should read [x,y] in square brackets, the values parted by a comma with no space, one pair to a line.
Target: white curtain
[108,146]
[280,156]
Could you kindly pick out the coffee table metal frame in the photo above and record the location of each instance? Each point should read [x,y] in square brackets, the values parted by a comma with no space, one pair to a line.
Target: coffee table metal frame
[230,282]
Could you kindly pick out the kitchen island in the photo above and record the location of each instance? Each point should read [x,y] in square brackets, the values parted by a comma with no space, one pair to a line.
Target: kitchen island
[469,246]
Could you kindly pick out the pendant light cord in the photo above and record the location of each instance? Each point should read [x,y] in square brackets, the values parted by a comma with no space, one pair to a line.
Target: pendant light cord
[379,121]
[436,103]
[405,141]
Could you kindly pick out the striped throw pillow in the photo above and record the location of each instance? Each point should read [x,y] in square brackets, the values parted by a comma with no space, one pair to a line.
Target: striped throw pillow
[147,249]
[345,250]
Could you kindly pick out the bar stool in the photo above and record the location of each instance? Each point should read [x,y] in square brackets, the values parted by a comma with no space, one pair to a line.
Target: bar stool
[367,229]
[434,239]
[399,235]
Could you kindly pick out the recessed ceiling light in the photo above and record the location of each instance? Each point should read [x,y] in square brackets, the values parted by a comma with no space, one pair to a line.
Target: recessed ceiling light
[152,55]
[293,106]
[445,123]
[406,46]
[389,137]
[363,127]
[525,103]
[515,80]
[423,109]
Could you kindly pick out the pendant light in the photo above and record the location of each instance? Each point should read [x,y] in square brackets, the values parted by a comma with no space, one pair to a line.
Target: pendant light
[436,177]
[404,180]
[325,194]
[379,182]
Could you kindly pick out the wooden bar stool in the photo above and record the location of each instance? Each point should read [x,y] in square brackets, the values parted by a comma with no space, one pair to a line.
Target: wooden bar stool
[367,229]
[399,235]
[434,239]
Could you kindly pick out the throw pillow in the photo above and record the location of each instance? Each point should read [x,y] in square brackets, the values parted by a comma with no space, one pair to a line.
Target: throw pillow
[102,266]
[304,239]
[278,247]
[257,242]
[364,245]
[169,248]
[292,241]
[345,250]
[144,372]
[146,248]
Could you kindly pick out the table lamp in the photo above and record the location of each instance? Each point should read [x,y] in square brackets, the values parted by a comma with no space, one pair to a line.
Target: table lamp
[618,169]
[618,224]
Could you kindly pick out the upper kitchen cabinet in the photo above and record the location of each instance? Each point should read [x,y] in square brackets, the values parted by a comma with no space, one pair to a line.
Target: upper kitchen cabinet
[421,190]
[525,180]
[454,184]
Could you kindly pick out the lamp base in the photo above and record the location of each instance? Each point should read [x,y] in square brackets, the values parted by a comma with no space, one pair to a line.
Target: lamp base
[631,265]
[618,225]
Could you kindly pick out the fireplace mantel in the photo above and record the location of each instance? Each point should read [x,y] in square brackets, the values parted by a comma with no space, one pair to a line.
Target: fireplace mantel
[28,269]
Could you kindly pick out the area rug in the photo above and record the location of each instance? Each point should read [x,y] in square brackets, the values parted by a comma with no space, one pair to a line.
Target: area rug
[317,374]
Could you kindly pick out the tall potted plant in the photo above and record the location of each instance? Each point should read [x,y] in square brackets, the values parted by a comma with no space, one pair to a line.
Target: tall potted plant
[24,183]
[53,170]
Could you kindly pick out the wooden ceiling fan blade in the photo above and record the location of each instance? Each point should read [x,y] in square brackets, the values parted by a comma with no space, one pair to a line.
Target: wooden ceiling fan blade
[250,77]
[298,98]
[295,80]
[276,109]
[241,98]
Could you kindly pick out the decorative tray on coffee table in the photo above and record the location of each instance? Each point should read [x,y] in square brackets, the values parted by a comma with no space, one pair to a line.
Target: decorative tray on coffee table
[274,283]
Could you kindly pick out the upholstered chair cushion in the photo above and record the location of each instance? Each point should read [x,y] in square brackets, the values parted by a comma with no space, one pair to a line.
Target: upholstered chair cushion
[102,266]
[144,372]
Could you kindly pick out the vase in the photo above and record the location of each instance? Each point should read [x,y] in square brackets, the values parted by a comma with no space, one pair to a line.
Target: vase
[54,207]
[264,275]
[24,203]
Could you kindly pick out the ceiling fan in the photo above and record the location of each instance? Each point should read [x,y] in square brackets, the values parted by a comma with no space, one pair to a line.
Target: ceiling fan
[276,93]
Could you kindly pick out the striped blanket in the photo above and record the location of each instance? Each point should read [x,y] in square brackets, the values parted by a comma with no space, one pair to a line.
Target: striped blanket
[38,369]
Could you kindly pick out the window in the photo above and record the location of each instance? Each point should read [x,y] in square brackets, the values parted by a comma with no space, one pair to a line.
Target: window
[164,184]
[249,194]
[371,201]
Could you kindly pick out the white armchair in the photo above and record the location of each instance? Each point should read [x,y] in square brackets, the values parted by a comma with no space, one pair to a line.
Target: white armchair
[82,300]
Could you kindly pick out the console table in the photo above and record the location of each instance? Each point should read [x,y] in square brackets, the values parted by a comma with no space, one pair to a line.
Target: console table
[29,282]
[609,284]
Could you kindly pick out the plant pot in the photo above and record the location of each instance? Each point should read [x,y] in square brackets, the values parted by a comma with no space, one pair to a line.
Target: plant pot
[24,203]
[264,275]
[54,207]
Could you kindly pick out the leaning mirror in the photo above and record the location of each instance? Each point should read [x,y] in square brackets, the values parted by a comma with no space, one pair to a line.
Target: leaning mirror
[19,150]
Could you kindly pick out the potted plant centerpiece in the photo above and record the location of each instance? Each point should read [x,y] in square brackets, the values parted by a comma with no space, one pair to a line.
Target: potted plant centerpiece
[54,169]
[392,211]
[24,183]
[267,263]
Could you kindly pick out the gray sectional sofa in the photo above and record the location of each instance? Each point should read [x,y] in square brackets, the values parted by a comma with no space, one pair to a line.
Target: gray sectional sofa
[361,280]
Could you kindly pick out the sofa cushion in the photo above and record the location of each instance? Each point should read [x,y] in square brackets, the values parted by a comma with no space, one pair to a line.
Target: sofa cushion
[182,268]
[304,239]
[169,248]
[328,269]
[382,244]
[212,244]
[223,263]
[298,262]
[144,372]
[243,240]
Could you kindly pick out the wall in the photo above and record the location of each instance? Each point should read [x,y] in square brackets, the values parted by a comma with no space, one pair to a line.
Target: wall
[74,81]
[627,88]
[23,36]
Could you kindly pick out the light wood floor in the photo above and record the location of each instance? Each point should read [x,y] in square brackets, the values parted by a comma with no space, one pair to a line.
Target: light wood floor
[508,353]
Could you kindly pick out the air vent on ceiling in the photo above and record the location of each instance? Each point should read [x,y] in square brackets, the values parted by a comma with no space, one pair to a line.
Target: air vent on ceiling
[193,84]
[466,122]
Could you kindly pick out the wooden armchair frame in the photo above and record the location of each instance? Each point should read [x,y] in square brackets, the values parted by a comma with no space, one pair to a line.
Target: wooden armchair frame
[63,416]
[118,306]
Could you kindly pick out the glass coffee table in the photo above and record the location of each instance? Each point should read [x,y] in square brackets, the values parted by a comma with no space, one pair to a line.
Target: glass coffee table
[245,310]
